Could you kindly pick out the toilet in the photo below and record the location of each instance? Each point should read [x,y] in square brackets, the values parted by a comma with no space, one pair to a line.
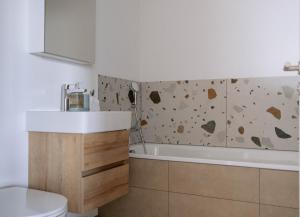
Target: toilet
[24,202]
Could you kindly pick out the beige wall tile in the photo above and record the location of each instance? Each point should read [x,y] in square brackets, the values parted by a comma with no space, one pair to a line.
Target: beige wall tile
[185,112]
[138,203]
[152,174]
[182,205]
[225,182]
[263,113]
[113,96]
[280,188]
[273,211]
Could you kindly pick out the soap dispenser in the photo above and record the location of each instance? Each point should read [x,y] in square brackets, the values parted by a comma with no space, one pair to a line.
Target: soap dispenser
[78,99]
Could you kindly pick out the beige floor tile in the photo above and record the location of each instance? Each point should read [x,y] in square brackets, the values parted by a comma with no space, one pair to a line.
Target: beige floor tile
[280,188]
[225,182]
[182,205]
[152,174]
[273,211]
[138,203]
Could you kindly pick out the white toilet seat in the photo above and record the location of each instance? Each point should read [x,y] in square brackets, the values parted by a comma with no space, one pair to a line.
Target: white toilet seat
[23,202]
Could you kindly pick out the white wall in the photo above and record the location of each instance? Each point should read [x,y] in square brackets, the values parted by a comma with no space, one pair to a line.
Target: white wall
[26,82]
[30,82]
[141,40]
[118,38]
[199,39]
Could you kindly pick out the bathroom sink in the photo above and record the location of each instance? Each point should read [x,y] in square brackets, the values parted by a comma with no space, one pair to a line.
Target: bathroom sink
[77,122]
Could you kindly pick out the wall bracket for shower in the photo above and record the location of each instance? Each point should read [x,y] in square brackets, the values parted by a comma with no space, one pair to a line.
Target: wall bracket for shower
[288,67]
[132,95]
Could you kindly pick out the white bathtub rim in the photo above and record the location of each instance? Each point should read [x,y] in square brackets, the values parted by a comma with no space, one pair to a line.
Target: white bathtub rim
[249,164]
[217,162]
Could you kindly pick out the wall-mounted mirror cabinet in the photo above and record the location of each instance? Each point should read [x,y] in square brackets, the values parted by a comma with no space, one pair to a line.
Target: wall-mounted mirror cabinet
[63,29]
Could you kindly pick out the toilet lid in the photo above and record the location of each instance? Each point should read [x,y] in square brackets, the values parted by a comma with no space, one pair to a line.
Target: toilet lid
[24,202]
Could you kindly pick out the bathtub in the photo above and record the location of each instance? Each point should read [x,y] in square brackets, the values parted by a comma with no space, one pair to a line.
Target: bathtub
[264,159]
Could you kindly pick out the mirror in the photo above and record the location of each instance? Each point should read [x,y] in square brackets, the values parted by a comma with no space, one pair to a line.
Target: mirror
[68,29]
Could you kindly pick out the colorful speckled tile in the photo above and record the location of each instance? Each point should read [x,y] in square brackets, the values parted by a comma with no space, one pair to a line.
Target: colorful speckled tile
[185,112]
[260,113]
[113,96]
[263,113]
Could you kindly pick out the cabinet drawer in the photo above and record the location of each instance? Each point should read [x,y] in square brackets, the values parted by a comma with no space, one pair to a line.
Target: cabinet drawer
[101,149]
[104,187]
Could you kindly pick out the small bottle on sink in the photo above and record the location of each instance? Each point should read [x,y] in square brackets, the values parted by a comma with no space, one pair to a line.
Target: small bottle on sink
[78,99]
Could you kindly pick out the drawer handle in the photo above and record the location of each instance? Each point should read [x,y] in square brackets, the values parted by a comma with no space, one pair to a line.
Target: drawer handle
[103,168]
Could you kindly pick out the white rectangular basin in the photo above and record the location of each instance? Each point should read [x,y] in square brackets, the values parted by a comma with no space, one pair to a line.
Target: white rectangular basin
[77,122]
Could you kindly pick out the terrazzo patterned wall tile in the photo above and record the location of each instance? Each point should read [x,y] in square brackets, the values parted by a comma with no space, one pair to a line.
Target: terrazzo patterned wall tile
[185,112]
[263,113]
[258,112]
[113,96]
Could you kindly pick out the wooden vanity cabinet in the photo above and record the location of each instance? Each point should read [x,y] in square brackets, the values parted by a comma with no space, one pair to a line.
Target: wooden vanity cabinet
[90,170]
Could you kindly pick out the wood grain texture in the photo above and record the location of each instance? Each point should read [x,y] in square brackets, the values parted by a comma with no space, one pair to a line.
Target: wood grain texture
[64,171]
[101,149]
[104,187]
[37,178]
[56,165]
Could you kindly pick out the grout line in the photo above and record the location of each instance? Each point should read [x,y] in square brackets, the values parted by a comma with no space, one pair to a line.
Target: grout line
[149,189]
[168,188]
[259,192]
[226,112]
[219,198]
[244,148]
[211,197]
[141,109]
[279,206]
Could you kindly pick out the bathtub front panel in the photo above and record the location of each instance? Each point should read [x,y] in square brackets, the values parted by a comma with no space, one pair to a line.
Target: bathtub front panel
[206,191]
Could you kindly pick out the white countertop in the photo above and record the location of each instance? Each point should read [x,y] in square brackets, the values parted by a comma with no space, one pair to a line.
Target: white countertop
[77,122]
